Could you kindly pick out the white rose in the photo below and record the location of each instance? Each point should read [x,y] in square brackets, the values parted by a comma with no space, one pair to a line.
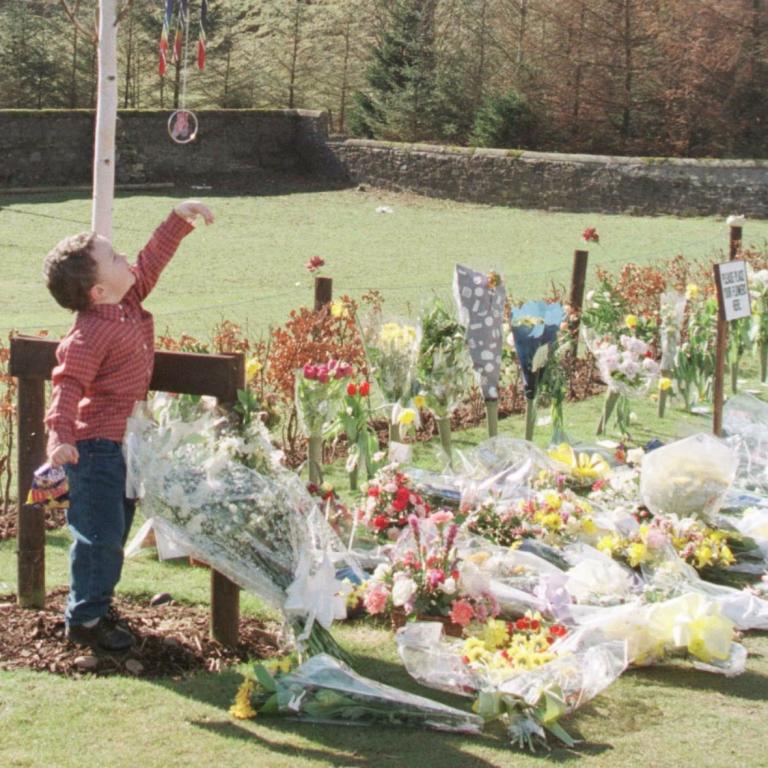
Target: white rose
[402,590]
[381,572]
[449,585]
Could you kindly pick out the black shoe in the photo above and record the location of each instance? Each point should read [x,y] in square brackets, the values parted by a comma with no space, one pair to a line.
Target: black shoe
[105,635]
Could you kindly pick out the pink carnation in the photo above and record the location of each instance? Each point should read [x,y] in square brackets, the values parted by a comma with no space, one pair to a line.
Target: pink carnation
[376,600]
[462,613]
[441,516]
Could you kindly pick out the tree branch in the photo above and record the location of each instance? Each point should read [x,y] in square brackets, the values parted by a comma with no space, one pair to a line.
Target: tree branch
[71,13]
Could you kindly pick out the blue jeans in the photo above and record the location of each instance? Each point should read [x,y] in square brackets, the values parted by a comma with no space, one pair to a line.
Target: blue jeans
[100,518]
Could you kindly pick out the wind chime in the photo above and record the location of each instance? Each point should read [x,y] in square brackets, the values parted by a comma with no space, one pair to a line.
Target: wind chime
[182,124]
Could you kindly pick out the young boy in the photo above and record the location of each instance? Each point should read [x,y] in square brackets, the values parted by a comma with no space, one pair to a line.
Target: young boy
[105,365]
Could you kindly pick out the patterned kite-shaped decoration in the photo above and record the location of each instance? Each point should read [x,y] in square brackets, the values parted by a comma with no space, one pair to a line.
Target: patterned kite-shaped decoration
[480,299]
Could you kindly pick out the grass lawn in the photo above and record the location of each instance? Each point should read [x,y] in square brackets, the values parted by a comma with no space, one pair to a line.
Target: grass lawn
[249,266]
[656,717]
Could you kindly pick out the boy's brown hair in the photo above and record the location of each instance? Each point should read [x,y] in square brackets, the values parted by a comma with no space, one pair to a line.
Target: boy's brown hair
[70,271]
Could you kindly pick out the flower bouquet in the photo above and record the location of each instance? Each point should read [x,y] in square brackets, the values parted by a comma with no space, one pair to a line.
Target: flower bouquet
[481,302]
[688,478]
[444,367]
[352,419]
[324,690]
[390,499]
[671,314]
[222,491]
[628,368]
[580,469]
[534,330]
[422,578]
[516,674]
[392,350]
[758,288]
[318,390]
[695,357]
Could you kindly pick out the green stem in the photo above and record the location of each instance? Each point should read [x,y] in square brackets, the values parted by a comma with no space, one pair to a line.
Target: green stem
[492,412]
[394,433]
[530,418]
[611,398]
[763,363]
[353,477]
[315,459]
[663,395]
[735,376]
[444,428]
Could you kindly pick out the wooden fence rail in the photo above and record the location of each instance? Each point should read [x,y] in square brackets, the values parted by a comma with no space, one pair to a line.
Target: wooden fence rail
[32,360]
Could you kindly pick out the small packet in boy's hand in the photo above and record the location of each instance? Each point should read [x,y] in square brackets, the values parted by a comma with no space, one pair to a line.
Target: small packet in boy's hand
[49,488]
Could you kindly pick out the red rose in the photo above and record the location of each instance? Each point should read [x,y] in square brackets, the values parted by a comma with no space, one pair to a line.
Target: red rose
[398,505]
[380,522]
[365,388]
[351,389]
[522,623]
[402,495]
[374,490]
[535,625]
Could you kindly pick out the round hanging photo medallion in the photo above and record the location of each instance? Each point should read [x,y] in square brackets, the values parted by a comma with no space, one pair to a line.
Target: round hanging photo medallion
[182,126]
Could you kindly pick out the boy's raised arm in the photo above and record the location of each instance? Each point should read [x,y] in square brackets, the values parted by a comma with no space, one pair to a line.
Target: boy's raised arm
[163,244]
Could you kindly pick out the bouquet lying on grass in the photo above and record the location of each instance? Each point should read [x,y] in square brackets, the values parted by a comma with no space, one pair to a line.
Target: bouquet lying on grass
[326,691]
[220,485]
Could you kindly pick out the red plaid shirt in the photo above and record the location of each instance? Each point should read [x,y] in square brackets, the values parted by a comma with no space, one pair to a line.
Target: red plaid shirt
[106,358]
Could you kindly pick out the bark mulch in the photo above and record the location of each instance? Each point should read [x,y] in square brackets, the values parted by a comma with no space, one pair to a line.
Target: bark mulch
[54,518]
[172,640]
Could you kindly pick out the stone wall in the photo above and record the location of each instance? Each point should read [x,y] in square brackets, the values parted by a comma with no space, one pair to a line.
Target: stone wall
[54,147]
[558,182]
[240,147]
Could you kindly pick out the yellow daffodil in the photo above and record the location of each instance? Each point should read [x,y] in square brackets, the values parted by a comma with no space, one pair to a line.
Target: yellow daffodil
[420,401]
[242,708]
[726,556]
[591,467]
[407,416]
[665,383]
[252,369]
[691,291]
[631,321]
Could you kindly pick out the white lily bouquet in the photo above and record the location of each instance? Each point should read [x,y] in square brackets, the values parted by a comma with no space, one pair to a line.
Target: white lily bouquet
[222,489]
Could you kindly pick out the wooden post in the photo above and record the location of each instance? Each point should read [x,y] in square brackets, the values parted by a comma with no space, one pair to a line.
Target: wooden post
[323,292]
[576,298]
[722,341]
[30,537]
[32,360]
[225,594]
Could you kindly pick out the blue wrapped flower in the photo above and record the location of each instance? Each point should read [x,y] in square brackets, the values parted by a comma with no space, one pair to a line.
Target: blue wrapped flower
[534,330]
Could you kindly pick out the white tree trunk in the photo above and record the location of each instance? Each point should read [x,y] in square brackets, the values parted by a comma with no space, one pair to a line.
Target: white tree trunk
[106,117]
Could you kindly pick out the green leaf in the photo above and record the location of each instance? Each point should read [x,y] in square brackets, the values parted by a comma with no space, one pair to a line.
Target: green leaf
[265,680]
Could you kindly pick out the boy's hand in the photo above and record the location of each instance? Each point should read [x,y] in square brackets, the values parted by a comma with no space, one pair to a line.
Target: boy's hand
[190,209]
[64,454]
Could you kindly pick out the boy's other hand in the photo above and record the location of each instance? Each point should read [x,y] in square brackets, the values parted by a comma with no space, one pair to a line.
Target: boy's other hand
[64,454]
[191,209]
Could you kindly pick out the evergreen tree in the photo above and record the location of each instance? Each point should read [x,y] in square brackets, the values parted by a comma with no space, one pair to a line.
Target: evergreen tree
[400,102]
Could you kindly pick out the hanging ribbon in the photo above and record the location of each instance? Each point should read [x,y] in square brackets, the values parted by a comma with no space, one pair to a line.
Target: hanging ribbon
[181,22]
[201,39]
[163,63]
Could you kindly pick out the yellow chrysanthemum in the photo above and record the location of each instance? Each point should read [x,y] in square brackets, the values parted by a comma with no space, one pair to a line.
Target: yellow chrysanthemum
[630,321]
[242,708]
[495,634]
[691,291]
[420,401]
[636,553]
[704,555]
[406,417]
[553,500]
[607,544]
[665,383]
[588,526]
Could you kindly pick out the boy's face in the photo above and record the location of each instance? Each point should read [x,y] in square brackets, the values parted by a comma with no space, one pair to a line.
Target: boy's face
[114,276]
